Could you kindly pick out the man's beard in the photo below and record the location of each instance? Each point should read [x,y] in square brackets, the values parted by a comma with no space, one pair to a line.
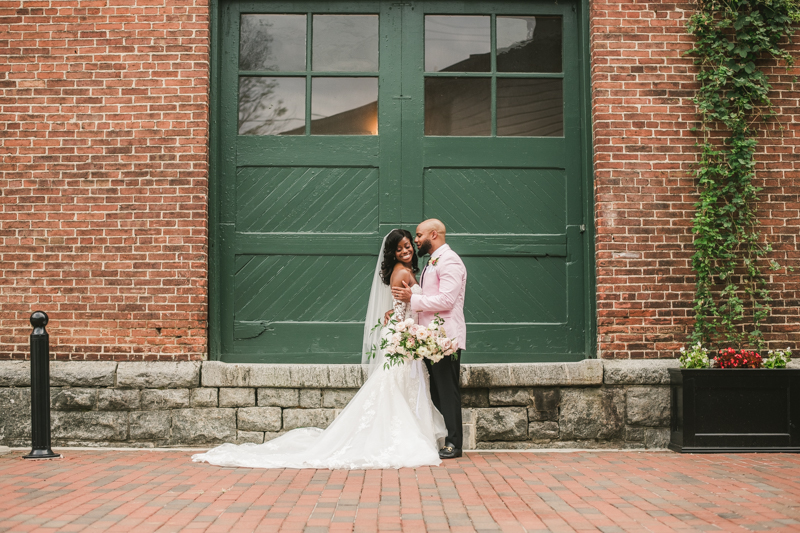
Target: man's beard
[424,247]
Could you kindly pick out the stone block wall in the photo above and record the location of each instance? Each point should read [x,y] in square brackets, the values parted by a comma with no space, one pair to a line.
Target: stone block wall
[591,404]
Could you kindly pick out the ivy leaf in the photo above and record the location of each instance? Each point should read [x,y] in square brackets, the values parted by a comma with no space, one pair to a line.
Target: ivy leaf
[742,50]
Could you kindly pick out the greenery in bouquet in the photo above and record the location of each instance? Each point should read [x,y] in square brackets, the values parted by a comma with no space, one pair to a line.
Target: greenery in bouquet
[778,358]
[406,339]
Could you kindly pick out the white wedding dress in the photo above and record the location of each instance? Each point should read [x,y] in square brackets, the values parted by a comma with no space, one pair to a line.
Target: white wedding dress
[390,423]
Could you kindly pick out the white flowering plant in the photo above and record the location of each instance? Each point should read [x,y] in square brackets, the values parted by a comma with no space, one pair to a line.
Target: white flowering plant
[406,339]
[777,358]
[695,357]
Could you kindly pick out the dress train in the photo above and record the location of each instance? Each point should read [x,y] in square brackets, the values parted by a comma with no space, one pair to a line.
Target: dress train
[390,423]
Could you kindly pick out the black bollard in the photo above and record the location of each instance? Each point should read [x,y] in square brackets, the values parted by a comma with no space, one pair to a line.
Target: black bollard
[40,389]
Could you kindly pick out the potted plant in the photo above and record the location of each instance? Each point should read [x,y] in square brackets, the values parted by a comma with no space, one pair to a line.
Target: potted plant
[735,402]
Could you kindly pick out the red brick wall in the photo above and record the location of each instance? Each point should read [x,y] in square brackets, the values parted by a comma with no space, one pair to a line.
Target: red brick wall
[104,174]
[644,188]
[103,178]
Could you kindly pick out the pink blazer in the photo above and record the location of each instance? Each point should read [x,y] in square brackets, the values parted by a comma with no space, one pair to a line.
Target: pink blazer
[443,287]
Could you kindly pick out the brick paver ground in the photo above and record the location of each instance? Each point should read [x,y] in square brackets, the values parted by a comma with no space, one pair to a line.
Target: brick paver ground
[142,491]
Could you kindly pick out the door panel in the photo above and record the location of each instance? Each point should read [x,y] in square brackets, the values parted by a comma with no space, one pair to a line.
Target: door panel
[538,283]
[497,201]
[289,287]
[520,179]
[283,303]
[313,169]
[307,199]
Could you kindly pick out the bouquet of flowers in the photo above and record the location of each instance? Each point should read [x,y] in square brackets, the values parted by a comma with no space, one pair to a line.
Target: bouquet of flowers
[407,339]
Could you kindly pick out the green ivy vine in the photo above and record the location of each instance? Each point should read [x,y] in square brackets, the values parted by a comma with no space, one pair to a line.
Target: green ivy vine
[732,38]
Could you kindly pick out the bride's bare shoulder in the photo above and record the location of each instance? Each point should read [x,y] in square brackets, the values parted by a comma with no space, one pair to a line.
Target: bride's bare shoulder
[401,274]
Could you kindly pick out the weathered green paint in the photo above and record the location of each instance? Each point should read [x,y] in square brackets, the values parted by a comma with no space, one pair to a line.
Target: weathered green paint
[214,345]
[587,172]
[297,220]
[307,200]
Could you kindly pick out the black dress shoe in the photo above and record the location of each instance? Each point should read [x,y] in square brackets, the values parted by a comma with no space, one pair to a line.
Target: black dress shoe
[449,452]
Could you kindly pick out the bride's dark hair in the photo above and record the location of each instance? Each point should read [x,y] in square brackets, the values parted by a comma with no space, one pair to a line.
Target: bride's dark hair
[390,251]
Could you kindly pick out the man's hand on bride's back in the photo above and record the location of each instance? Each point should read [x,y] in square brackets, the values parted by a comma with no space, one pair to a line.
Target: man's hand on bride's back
[402,294]
[387,316]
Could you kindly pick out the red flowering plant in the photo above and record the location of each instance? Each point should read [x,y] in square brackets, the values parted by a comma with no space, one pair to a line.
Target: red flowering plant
[730,358]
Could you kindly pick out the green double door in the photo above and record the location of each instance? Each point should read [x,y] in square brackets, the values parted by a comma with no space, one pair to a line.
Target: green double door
[338,121]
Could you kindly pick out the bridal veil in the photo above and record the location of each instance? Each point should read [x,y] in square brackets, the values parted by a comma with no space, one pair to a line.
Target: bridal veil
[380,301]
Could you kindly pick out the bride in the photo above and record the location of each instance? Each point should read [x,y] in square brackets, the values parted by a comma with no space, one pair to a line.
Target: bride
[391,421]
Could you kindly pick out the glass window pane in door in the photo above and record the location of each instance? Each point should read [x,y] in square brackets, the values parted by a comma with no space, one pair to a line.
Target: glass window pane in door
[344,106]
[458,106]
[272,106]
[345,43]
[529,44]
[530,107]
[457,43]
[272,42]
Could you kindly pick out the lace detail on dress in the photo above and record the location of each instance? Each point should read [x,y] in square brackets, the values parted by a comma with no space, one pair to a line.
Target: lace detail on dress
[390,423]
[401,309]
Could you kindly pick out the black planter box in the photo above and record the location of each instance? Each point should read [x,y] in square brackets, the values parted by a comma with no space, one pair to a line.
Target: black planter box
[718,410]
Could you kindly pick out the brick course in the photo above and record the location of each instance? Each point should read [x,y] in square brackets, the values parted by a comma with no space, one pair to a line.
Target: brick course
[104,178]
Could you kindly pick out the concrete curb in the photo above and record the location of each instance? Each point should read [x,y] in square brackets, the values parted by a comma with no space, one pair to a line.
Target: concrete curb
[6,449]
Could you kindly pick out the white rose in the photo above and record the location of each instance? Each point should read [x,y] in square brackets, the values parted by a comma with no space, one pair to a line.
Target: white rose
[408,321]
[400,327]
[422,334]
[424,351]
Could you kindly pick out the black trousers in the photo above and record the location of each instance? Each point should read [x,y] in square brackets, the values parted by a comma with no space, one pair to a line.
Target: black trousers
[446,395]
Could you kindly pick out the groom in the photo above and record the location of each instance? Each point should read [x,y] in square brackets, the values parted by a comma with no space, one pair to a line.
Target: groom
[443,283]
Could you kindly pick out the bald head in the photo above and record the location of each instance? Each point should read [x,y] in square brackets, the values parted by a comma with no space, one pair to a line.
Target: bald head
[433,224]
[430,236]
